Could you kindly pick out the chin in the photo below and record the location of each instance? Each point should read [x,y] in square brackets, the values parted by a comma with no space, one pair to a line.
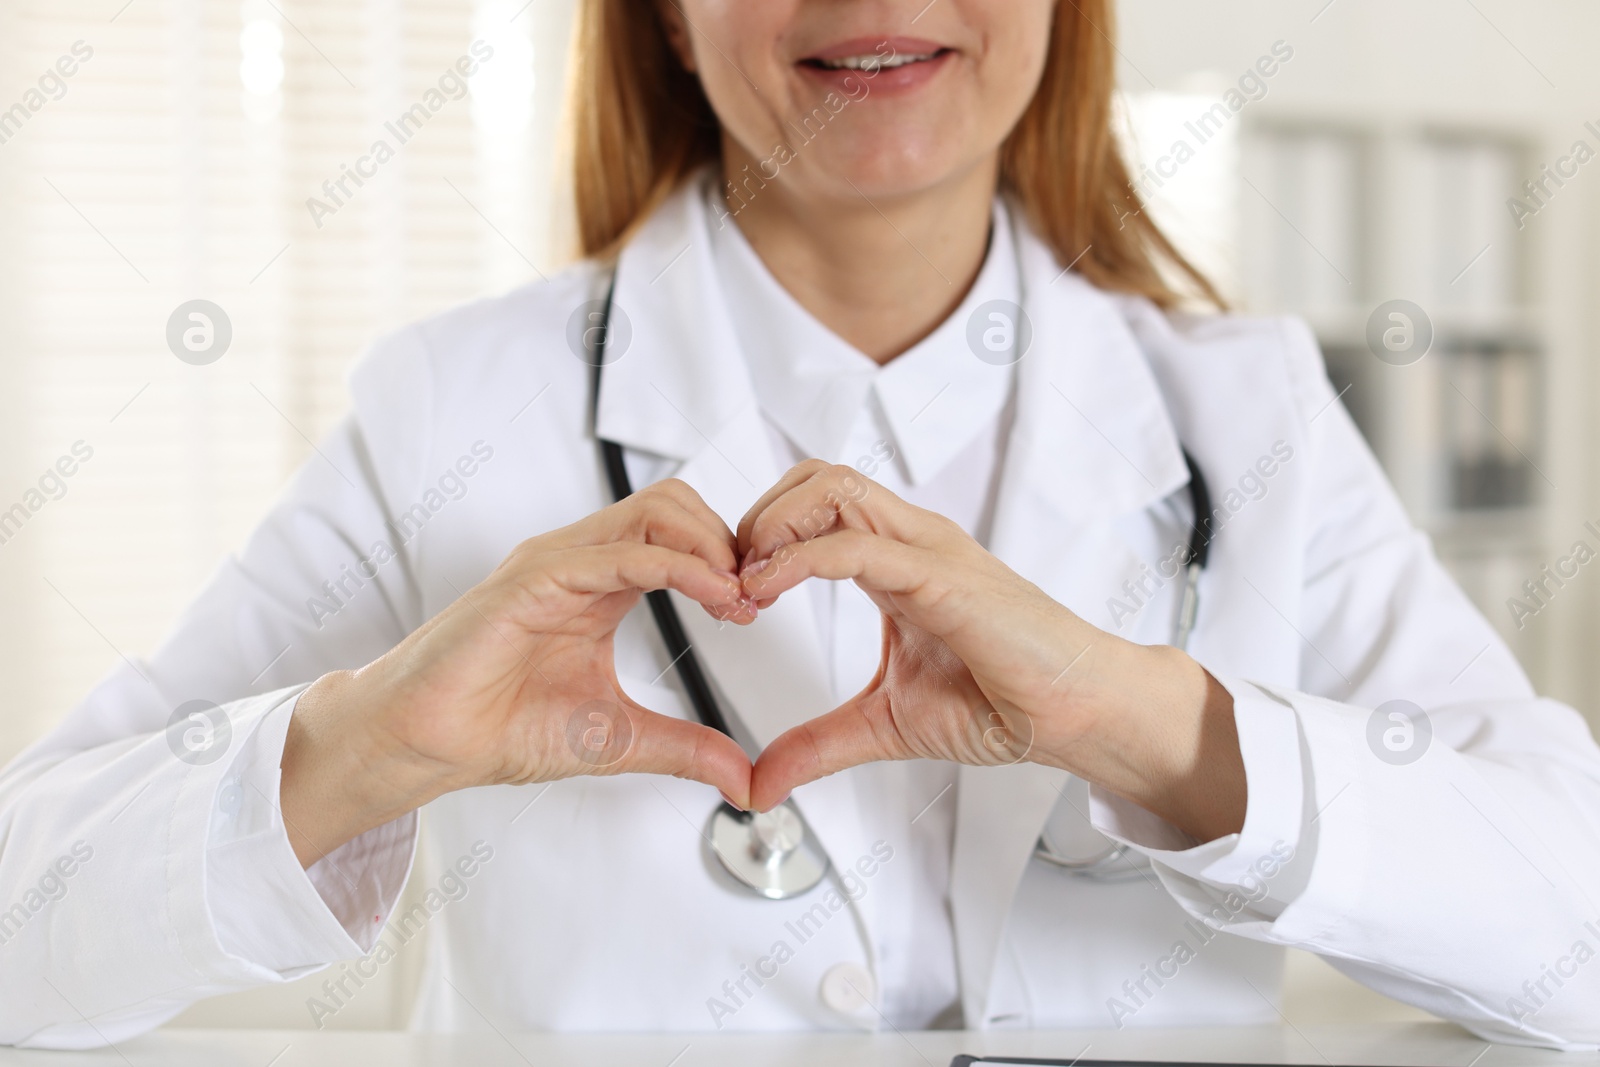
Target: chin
[884,170]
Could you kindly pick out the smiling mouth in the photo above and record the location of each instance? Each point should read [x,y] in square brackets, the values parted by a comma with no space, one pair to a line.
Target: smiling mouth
[872,62]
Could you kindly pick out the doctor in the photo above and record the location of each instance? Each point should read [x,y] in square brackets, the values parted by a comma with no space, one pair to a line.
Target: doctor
[892,354]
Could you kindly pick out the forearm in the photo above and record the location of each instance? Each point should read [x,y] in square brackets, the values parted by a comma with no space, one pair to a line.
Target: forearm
[1156,729]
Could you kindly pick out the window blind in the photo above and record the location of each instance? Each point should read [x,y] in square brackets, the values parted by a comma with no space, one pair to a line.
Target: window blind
[175,163]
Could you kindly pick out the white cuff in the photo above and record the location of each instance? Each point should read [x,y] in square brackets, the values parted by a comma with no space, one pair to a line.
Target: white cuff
[264,906]
[1251,860]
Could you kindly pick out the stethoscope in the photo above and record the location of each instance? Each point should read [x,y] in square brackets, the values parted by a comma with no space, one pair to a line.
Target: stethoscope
[1111,863]
[774,853]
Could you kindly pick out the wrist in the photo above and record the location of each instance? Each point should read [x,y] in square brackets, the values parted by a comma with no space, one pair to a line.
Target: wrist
[341,774]
[1157,729]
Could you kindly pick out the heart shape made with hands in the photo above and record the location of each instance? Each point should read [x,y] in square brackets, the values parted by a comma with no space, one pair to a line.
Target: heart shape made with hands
[978,665]
[967,644]
[931,582]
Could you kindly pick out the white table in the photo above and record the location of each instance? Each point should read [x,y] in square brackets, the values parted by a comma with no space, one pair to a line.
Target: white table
[1399,1044]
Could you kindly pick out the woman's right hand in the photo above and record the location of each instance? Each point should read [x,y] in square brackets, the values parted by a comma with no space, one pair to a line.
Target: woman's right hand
[514,682]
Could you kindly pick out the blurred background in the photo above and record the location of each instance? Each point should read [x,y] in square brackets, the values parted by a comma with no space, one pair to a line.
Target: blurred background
[1437,152]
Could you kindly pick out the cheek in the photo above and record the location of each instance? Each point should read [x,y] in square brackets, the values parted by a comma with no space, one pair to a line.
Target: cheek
[736,44]
[1013,63]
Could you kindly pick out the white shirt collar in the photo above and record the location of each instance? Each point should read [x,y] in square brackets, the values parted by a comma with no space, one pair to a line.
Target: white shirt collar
[934,398]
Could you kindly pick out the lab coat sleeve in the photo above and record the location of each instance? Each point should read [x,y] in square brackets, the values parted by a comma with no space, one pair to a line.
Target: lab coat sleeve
[144,862]
[1449,860]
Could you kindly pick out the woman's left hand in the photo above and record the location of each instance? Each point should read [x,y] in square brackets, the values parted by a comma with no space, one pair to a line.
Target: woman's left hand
[980,666]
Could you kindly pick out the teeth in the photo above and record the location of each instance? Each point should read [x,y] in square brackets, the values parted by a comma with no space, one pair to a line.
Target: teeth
[872,62]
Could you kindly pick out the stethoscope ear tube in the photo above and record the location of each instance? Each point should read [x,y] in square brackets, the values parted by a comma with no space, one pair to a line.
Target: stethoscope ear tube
[1200,504]
[1189,608]
[1199,553]
[1113,863]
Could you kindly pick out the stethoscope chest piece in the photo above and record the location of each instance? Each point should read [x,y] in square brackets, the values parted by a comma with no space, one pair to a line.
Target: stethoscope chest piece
[774,852]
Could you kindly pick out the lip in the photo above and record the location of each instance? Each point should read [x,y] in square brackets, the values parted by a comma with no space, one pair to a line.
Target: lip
[865,46]
[886,81]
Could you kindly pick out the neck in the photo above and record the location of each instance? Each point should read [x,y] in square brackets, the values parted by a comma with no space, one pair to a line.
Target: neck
[882,273]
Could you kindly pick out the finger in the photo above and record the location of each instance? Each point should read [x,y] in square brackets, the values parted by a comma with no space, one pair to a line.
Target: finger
[721,555]
[686,496]
[833,498]
[627,565]
[675,524]
[828,744]
[792,477]
[689,750]
[669,513]
[877,564]
[665,504]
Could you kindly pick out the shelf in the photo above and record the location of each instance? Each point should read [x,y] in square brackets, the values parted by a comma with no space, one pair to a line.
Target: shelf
[1501,527]
[1348,326]
[1350,216]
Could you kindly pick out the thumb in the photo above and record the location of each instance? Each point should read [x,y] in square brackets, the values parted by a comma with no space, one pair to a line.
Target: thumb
[844,737]
[626,738]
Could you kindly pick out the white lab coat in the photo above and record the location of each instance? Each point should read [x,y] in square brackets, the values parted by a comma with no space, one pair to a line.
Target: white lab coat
[1460,882]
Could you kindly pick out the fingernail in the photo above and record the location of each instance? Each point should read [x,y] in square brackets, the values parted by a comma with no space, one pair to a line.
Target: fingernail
[739,607]
[730,801]
[753,567]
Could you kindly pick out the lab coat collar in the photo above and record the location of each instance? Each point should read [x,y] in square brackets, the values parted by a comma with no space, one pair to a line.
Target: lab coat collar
[935,397]
[1092,429]
[1093,437]
[1092,442]
[939,396]
[681,379]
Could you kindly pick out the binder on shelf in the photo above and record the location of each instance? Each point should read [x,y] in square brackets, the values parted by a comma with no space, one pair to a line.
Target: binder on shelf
[1470,236]
[1302,213]
[1492,425]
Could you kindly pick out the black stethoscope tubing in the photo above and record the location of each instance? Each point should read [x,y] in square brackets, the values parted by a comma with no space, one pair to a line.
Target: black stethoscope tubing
[693,676]
[661,606]
[771,853]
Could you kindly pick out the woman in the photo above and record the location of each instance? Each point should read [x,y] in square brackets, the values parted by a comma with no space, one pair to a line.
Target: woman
[884,312]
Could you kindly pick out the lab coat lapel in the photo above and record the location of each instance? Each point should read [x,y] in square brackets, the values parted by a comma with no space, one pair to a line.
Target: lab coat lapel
[1091,443]
[682,389]
[1252,585]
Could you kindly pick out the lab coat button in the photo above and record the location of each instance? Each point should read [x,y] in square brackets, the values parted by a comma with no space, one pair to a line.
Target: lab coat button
[848,988]
[230,798]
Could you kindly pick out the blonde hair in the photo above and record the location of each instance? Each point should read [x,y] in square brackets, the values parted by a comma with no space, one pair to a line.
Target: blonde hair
[640,124]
